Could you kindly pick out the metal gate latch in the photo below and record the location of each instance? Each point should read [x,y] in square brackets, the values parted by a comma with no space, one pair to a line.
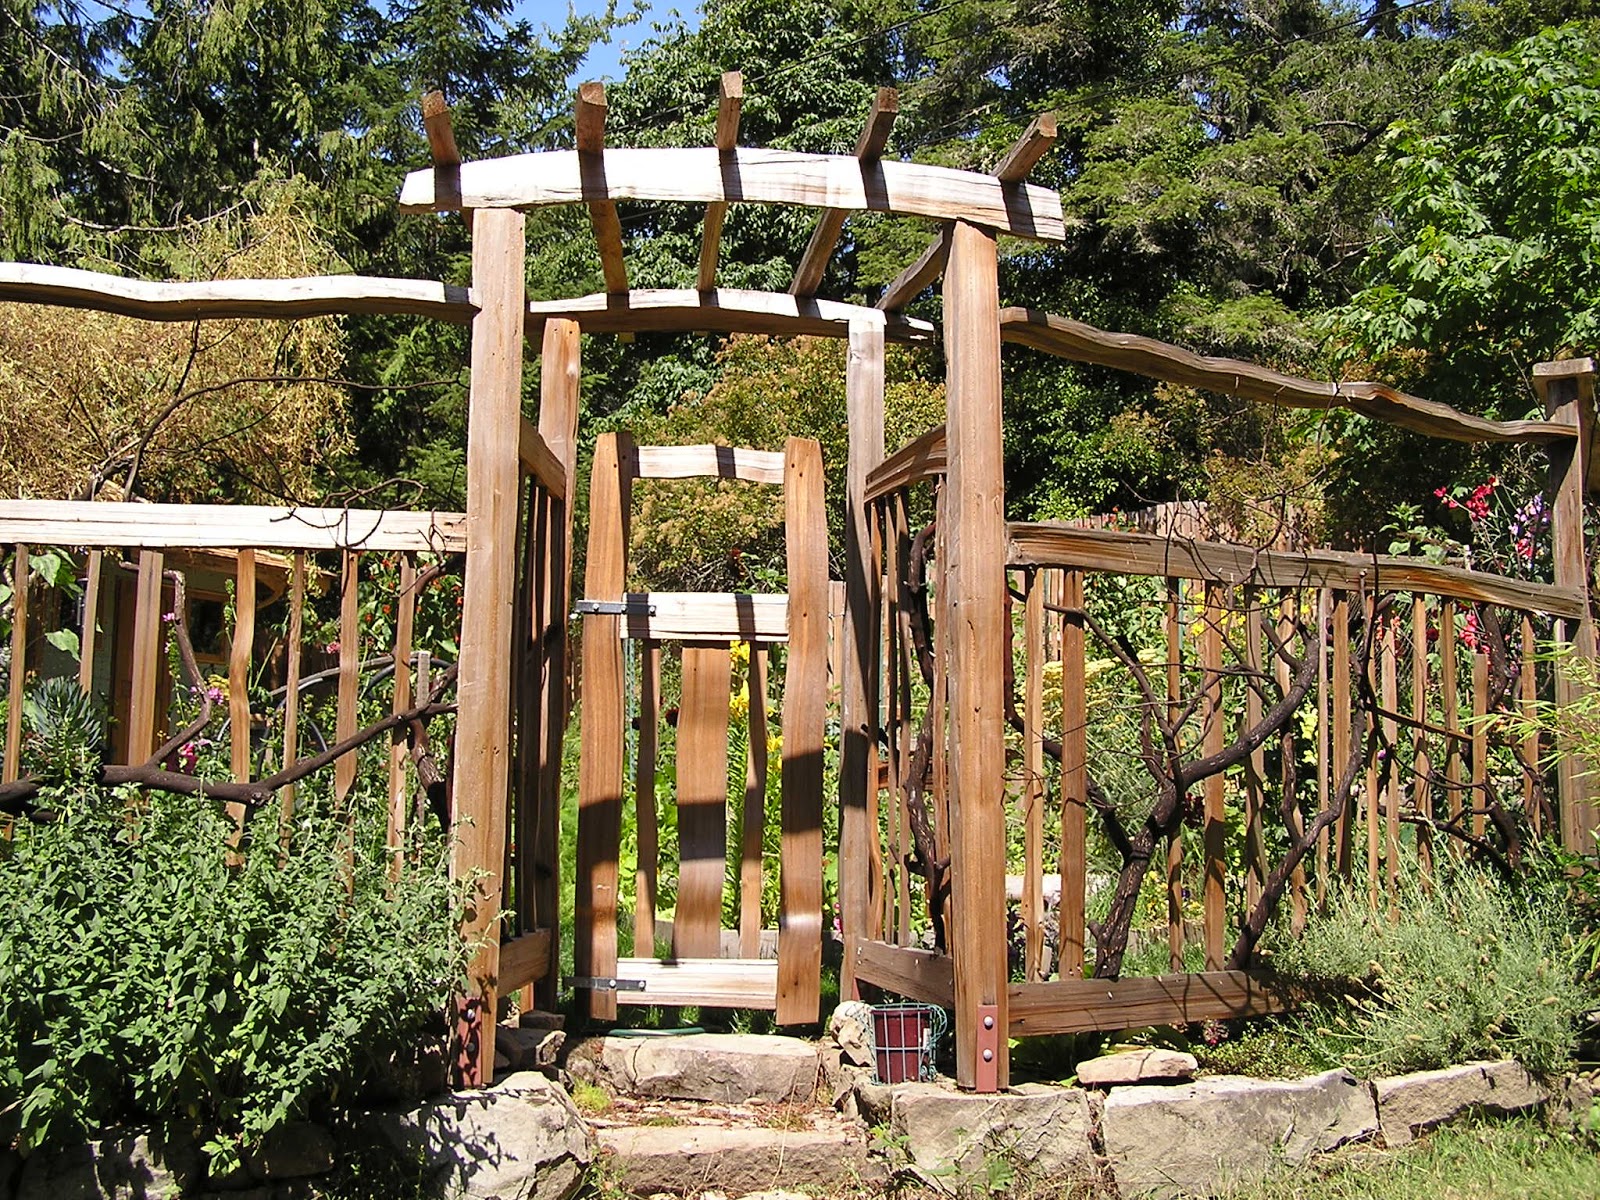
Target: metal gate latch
[603,983]
[614,608]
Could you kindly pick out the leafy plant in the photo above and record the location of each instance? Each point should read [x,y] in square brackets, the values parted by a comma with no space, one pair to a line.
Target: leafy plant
[150,975]
[66,731]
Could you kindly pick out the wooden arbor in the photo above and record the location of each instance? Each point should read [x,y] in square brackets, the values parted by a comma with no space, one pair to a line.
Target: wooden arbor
[976,209]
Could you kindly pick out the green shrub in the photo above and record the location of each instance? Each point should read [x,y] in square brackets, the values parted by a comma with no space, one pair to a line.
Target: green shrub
[145,978]
[1470,968]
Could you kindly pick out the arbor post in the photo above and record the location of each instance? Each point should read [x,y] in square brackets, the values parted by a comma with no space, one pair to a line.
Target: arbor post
[483,685]
[974,604]
[1567,389]
[858,693]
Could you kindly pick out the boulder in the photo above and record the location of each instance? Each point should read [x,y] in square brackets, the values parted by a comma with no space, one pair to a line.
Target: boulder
[1138,1066]
[522,1139]
[529,1047]
[134,1166]
[722,1068]
[693,1159]
[296,1150]
[850,1027]
[1211,1134]
[954,1140]
[1411,1104]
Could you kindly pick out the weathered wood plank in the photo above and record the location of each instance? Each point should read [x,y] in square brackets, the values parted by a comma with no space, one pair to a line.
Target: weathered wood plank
[147,639]
[753,818]
[724,310]
[713,462]
[483,689]
[241,651]
[1033,792]
[910,283]
[730,97]
[1422,787]
[540,461]
[405,616]
[291,692]
[227,526]
[1079,1006]
[1213,717]
[805,693]
[344,771]
[591,122]
[920,459]
[1025,153]
[858,697]
[89,630]
[904,971]
[702,801]
[1074,778]
[1045,543]
[1344,849]
[975,609]
[1173,620]
[647,826]
[602,714]
[869,149]
[1158,360]
[524,960]
[706,616]
[721,982]
[703,175]
[222,299]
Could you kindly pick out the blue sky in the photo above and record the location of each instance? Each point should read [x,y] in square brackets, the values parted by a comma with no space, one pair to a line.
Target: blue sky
[602,62]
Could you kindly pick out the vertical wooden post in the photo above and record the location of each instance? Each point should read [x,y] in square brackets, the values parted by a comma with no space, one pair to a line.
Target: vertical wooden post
[752,826]
[146,658]
[1324,772]
[1422,793]
[1174,624]
[19,663]
[1213,738]
[805,692]
[483,687]
[975,609]
[560,373]
[1033,772]
[702,800]
[858,700]
[1074,778]
[91,613]
[1568,392]
[1255,772]
[405,611]
[344,771]
[1392,789]
[1451,702]
[240,654]
[1343,847]
[648,851]
[601,764]
[1528,703]
[291,694]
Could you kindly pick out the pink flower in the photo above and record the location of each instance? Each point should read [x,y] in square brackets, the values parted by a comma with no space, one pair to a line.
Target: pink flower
[332,648]
[1469,630]
[188,755]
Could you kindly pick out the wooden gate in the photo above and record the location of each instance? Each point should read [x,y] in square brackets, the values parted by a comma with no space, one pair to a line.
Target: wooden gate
[618,624]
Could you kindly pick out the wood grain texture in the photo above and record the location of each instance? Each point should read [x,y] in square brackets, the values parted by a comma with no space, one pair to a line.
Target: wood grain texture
[1173,620]
[1033,791]
[975,610]
[721,982]
[1084,1005]
[18,671]
[241,652]
[903,971]
[704,174]
[540,461]
[707,616]
[921,459]
[1074,778]
[923,270]
[1421,756]
[344,771]
[1213,738]
[702,801]
[1389,684]
[89,630]
[712,462]
[805,692]
[859,689]
[1027,150]
[483,689]
[647,826]
[440,130]
[1479,796]
[147,657]
[1344,848]
[601,764]
[724,310]
[1234,377]
[1052,543]
[730,99]
[524,960]
[220,299]
[405,616]
[1529,750]
[291,693]
[753,817]
[227,526]
[869,148]
[591,129]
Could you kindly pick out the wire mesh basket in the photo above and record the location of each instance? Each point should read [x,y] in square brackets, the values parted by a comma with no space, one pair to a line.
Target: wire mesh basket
[903,1041]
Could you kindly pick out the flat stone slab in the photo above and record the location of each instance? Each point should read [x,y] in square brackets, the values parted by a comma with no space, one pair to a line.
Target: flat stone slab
[722,1068]
[1137,1066]
[1204,1136]
[1412,1104]
[522,1139]
[952,1137]
[692,1159]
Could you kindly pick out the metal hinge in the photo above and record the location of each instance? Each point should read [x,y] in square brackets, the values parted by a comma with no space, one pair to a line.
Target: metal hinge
[614,608]
[603,983]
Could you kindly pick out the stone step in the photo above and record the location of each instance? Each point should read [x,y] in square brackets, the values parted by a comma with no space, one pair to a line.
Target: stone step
[822,1158]
[720,1068]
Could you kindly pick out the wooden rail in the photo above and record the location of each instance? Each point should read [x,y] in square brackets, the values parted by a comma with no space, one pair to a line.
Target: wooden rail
[917,461]
[724,310]
[705,175]
[218,299]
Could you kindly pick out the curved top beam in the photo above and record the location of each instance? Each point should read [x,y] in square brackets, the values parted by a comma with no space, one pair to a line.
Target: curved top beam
[704,175]
[1159,360]
[274,299]
[724,310]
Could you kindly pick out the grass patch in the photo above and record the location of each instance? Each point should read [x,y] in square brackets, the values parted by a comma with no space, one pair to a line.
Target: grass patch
[1475,1161]
[592,1099]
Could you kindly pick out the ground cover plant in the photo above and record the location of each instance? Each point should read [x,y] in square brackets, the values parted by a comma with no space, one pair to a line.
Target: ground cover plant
[155,969]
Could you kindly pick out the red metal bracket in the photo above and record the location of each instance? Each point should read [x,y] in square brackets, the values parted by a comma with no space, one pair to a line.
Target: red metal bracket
[987,1075]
